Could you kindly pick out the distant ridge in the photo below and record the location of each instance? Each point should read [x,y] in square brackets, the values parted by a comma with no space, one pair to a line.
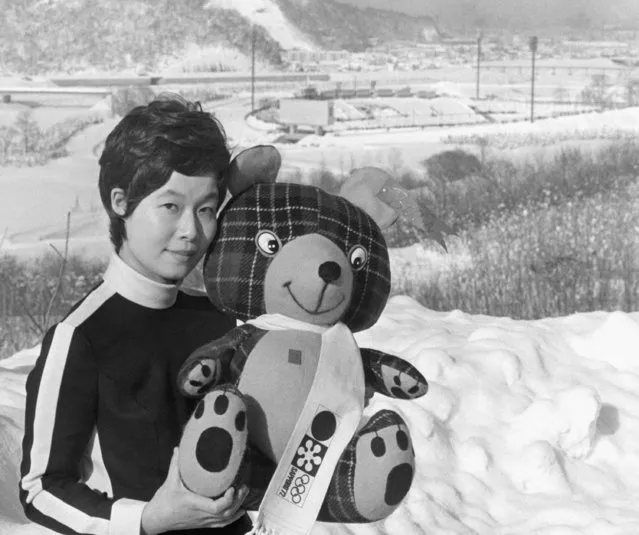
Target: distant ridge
[46,37]
[585,16]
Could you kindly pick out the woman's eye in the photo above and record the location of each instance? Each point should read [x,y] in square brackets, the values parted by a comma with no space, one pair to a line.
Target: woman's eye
[357,257]
[268,243]
[170,206]
[208,211]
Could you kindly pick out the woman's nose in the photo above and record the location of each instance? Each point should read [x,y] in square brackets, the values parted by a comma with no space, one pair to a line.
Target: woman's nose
[188,224]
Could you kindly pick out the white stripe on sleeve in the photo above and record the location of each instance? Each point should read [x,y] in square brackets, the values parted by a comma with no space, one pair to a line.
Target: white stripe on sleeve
[46,407]
[53,507]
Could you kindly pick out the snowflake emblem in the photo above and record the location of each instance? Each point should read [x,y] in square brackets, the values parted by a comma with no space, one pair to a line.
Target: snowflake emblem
[310,455]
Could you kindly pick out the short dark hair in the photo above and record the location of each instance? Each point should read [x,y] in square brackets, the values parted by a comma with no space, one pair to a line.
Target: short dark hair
[150,143]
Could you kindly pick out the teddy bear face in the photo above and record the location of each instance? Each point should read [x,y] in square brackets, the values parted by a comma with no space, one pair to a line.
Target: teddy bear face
[309,279]
[299,251]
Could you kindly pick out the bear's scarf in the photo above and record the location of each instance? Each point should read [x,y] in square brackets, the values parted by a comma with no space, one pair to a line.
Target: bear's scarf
[294,496]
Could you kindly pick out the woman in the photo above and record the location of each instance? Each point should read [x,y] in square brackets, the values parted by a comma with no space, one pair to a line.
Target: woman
[103,415]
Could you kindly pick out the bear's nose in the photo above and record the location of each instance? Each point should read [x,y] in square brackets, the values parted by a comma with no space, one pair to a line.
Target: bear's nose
[330,272]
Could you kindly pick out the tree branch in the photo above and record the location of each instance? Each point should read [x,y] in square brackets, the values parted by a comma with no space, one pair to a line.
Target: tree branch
[4,237]
[63,266]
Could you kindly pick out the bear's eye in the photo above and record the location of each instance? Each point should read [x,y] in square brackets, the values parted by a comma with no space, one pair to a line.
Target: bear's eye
[357,257]
[268,243]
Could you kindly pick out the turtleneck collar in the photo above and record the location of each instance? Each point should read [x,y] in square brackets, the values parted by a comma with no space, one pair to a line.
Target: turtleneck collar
[136,287]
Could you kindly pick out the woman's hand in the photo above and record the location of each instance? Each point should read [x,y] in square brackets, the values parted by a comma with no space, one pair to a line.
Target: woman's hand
[175,507]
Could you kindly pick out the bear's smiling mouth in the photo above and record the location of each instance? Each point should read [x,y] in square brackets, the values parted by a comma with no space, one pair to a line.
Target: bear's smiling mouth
[317,310]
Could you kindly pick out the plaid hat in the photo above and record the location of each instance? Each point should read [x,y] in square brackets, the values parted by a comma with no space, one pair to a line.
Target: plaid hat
[234,269]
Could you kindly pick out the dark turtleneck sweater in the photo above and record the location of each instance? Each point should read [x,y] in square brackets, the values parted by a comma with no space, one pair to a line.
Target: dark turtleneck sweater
[103,411]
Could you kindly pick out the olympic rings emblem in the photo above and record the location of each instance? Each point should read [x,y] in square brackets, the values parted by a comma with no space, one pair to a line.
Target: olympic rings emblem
[299,488]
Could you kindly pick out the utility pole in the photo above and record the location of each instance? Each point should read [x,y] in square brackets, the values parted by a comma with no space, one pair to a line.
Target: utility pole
[532,43]
[261,10]
[252,67]
[479,38]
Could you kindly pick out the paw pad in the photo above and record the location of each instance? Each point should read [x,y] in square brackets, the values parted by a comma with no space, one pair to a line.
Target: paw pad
[402,440]
[385,465]
[199,410]
[240,421]
[214,442]
[221,404]
[398,483]
[214,448]
[378,447]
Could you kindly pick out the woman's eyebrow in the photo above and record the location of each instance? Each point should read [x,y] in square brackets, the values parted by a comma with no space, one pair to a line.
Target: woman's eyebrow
[212,195]
[170,192]
[173,193]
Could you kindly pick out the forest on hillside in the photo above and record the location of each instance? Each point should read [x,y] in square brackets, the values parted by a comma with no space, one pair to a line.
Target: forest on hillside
[113,35]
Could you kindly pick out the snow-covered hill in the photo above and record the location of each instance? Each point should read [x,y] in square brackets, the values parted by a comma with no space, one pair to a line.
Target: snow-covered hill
[267,14]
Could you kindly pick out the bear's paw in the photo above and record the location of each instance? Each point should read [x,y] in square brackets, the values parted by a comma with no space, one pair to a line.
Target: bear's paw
[204,374]
[213,445]
[385,465]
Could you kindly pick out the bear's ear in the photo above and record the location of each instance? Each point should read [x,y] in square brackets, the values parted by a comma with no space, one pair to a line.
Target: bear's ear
[259,164]
[385,200]
[372,189]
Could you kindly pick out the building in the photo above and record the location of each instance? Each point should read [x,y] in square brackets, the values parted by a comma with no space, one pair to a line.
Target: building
[596,48]
[315,56]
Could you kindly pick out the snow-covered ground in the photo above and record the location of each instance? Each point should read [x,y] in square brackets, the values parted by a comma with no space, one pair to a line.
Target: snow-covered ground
[529,427]
[35,200]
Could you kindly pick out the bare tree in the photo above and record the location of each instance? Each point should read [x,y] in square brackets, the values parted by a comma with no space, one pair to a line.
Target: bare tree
[41,324]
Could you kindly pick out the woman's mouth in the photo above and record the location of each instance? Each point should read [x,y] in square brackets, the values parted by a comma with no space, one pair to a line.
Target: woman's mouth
[185,255]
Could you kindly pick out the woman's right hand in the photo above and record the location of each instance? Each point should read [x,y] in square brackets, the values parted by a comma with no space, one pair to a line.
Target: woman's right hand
[174,507]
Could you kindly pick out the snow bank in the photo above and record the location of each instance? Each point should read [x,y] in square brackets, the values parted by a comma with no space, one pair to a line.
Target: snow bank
[12,380]
[528,427]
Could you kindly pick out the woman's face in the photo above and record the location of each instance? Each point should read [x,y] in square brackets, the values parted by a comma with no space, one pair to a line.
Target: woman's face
[169,231]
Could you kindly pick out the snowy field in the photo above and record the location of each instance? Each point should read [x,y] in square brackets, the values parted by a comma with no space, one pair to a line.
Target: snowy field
[35,200]
[529,427]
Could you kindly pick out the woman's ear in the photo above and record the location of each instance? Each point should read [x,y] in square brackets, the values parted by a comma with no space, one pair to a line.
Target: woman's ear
[118,201]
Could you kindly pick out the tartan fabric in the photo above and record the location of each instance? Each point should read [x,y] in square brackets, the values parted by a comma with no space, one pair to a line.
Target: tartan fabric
[230,351]
[234,269]
[243,351]
[401,388]
[339,504]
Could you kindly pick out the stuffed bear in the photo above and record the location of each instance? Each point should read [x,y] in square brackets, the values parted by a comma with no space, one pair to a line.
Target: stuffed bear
[282,395]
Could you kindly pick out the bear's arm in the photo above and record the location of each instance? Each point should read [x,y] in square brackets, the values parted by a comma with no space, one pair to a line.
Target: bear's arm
[215,362]
[391,375]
